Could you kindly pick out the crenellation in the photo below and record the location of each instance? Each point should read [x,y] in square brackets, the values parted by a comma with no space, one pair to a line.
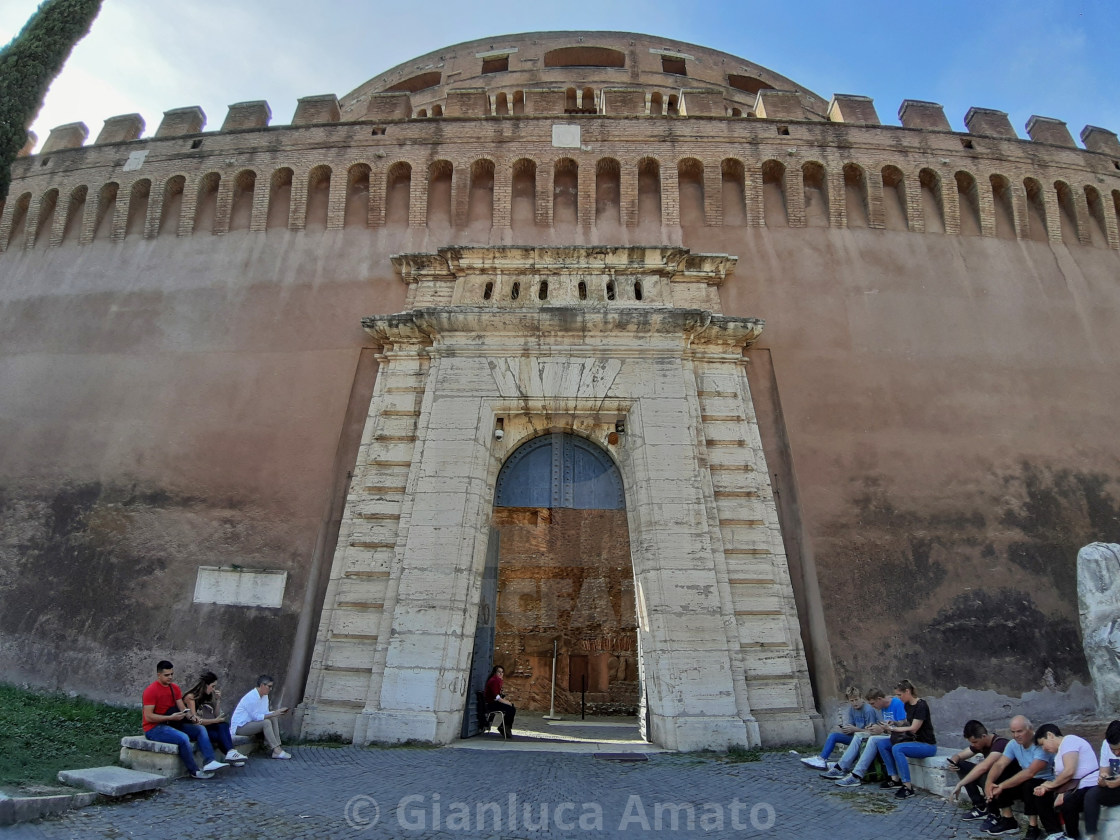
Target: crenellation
[388,106]
[1049,130]
[314,110]
[179,122]
[849,108]
[62,137]
[624,101]
[917,113]
[702,102]
[778,105]
[990,122]
[1100,140]
[247,115]
[121,129]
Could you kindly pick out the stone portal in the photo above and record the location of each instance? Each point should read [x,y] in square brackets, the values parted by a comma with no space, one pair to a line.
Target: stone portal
[622,347]
[565,579]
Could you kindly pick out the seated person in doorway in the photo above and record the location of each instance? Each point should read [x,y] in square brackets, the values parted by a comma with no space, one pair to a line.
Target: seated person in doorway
[857,715]
[1076,771]
[857,759]
[988,748]
[495,702]
[166,719]
[1001,790]
[204,701]
[1107,791]
[252,716]
[912,739]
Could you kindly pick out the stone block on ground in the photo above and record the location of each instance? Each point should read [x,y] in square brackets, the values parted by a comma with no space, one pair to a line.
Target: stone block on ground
[139,753]
[931,773]
[113,781]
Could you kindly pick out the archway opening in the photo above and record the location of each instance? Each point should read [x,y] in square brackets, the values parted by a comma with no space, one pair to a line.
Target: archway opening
[560,579]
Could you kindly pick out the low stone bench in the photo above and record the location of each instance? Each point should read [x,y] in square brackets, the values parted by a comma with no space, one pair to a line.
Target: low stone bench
[1109,828]
[139,753]
[931,773]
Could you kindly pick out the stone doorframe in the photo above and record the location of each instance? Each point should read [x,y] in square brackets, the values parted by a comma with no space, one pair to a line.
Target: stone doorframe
[589,341]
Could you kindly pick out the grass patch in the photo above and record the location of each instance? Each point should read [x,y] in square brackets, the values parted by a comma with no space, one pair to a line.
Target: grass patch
[42,733]
[739,755]
[866,802]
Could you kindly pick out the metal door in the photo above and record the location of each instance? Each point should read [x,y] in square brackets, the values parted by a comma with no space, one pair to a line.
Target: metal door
[483,635]
[560,470]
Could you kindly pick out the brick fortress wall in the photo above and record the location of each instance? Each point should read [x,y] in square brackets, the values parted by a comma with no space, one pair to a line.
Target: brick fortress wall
[183,355]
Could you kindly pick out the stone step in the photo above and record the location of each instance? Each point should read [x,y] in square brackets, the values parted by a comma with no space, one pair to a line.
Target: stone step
[113,781]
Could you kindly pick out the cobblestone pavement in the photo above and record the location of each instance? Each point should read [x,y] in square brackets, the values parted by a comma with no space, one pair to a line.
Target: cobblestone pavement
[359,793]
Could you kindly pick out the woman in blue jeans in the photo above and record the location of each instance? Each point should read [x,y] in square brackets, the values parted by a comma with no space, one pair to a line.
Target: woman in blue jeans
[912,739]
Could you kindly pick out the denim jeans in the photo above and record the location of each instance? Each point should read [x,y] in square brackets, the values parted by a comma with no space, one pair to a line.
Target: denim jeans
[894,756]
[182,738]
[219,734]
[834,738]
[860,754]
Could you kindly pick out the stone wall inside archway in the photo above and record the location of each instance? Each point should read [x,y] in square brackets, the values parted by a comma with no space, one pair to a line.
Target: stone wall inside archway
[624,347]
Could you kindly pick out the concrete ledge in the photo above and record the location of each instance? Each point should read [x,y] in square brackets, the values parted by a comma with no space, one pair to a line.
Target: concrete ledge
[113,781]
[1109,828]
[16,809]
[138,753]
[931,773]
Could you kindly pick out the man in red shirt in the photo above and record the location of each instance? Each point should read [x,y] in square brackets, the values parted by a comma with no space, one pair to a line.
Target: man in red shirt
[167,720]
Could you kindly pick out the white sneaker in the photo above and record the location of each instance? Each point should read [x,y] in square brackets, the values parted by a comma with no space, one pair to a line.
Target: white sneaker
[282,755]
[234,755]
[816,762]
[198,774]
[214,765]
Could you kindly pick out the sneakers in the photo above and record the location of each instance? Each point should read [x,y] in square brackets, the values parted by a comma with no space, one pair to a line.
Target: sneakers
[1002,825]
[1058,835]
[199,774]
[889,783]
[1033,833]
[976,814]
[282,755]
[834,773]
[904,792]
[235,758]
[816,762]
[851,780]
[214,765]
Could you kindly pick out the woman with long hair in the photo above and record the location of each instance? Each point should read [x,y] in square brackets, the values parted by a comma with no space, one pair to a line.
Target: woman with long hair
[204,702]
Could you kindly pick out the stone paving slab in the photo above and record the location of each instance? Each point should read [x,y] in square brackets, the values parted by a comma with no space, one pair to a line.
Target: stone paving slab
[353,792]
[113,781]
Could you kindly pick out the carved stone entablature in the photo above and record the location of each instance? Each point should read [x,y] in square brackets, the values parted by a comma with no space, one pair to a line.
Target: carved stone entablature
[592,276]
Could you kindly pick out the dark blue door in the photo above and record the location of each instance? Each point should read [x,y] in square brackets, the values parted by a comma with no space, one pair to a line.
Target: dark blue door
[560,470]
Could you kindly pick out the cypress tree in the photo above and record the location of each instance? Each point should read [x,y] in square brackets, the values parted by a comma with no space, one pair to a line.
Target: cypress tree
[29,64]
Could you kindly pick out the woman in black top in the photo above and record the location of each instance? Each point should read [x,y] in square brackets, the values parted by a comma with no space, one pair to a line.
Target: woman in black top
[913,739]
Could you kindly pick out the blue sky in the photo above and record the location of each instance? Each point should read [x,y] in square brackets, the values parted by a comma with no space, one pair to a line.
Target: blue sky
[1055,59]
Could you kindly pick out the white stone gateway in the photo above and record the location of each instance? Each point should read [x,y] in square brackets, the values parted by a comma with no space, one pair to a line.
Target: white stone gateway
[581,340]
[1098,602]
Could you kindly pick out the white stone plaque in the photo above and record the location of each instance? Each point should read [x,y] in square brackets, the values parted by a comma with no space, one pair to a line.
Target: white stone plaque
[240,587]
[565,136]
[135,161]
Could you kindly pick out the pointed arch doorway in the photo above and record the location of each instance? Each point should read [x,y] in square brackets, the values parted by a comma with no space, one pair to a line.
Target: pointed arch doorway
[559,571]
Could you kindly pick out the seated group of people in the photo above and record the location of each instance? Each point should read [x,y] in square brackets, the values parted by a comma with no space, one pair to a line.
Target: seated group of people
[172,717]
[895,730]
[1057,777]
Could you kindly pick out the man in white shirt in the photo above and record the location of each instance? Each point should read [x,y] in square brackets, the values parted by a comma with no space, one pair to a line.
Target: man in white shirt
[252,716]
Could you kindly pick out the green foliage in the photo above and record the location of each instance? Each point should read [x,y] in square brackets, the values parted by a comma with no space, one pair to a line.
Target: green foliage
[29,64]
[41,734]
